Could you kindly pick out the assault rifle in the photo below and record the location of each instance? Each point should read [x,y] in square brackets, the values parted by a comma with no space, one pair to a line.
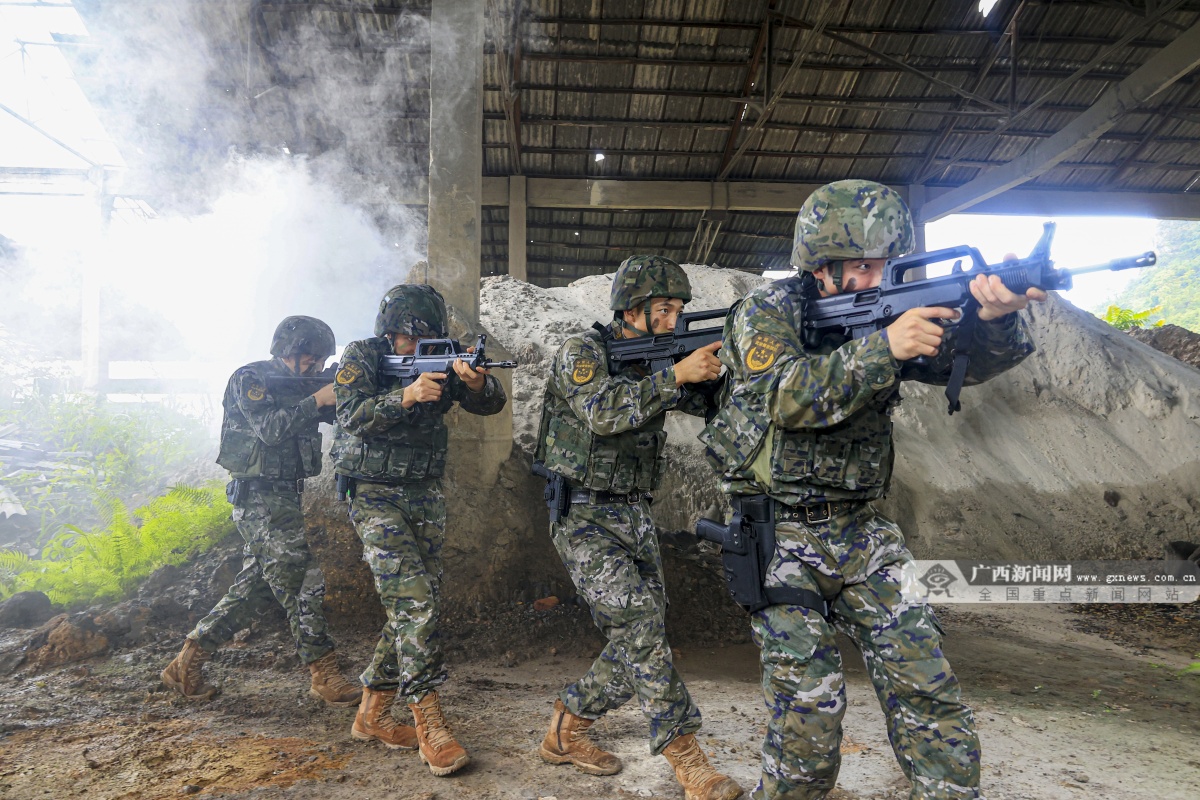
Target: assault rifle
[663,349]
[438,355]
[294,388]
[301,385]
[863,313]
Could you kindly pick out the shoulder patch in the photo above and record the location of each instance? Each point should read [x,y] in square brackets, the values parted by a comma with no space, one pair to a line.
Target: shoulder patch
[762,352]
[255,391]
[348,374]
[584,371]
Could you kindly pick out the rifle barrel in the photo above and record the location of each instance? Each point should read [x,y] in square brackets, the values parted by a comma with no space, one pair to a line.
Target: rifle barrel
[1147,259]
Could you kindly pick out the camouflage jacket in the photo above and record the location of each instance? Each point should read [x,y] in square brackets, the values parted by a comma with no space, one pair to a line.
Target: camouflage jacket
[380,440]
[604,431]
[264,435]
[808,424]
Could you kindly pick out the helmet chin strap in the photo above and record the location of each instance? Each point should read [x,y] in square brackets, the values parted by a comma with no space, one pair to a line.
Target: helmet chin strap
[835,272]
[619,316]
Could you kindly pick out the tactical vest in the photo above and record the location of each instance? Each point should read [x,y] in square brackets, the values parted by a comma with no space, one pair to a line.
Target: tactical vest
[412,450]
[848,461]
[625,462]
[247,456]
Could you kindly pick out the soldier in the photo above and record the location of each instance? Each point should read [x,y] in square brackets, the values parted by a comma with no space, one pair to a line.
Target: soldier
[806,432]
[270,445]
[603,434]
[390,448]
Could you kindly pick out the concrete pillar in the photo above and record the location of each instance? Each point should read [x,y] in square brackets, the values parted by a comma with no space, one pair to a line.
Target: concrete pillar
[478,445]
[517,235]
[456,150]
[916,206]
[95,368]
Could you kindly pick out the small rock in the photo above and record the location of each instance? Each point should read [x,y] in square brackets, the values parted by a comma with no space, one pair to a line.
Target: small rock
[1079,777]
[545,604]
[190,788]
[25,610]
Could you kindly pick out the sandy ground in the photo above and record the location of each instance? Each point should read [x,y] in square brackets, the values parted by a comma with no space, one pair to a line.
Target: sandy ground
[1062,713]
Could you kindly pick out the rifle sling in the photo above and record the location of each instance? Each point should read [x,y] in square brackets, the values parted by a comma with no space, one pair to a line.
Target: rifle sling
[962,359]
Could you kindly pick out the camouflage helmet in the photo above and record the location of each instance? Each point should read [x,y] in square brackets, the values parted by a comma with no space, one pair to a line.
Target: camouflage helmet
[412,309]
[851,219]
[303,336]
[641,277]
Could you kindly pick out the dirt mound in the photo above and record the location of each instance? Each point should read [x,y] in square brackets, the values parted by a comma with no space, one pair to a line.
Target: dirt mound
[1177,342]
[1088,449]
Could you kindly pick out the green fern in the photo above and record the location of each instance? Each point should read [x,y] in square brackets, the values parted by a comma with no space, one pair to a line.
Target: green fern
[1124,319]
[80,566]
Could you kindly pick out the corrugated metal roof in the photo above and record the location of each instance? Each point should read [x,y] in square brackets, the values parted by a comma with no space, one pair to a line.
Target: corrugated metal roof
[905,92]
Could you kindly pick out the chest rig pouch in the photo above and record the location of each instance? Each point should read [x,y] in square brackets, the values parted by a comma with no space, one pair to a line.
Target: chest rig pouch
[411,450]
[854,457]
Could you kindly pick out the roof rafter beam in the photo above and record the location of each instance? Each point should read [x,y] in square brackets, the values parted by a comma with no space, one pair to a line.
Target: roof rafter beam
[868,103]
[47,135]
[841,29]
[739,108]
[897,63]
[816,66]
[641,196]
[1159,72]
[1152,19]
[803,44]
[507,38]
[950,123]
[1151,136]
[827,130]
[1163,166]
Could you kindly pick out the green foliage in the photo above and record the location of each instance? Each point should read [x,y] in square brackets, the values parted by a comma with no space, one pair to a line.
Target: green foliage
[99,451]
[1124,319]
[78,566]
[1174,284]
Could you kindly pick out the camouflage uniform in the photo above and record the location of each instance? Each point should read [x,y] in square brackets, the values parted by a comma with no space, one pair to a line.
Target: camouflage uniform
[274,444]
[604,432]
[809,423]
[397,457]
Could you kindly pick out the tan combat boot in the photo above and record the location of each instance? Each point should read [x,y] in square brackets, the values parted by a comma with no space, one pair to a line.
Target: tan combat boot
[183,673]
[437,746]
[567,743]
[374,720]
[700,781]
[329,685]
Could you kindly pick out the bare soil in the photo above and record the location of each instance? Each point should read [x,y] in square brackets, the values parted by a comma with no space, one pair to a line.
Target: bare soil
[1087,705]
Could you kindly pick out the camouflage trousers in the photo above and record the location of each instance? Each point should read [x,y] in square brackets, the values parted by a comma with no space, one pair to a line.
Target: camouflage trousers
[858,558]
[402,527]
[612,555]
[277,566]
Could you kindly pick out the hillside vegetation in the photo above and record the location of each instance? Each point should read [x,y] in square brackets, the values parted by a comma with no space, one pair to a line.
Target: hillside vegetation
[1174,284]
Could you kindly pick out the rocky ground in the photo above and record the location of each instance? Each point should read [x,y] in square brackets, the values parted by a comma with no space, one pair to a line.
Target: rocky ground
[1069,704]
[1089,449]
